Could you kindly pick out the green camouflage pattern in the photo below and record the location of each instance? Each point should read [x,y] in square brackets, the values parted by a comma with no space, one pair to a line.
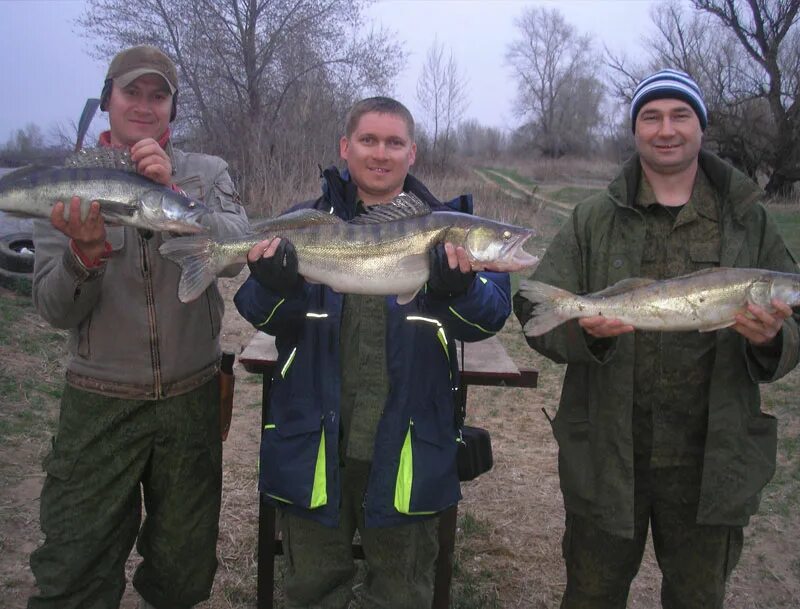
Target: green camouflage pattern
[319,559]
[695,560]
[365,380]
[105,453]
[672,370]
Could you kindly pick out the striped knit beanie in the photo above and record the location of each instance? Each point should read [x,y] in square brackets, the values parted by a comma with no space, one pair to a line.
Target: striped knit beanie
[669,84]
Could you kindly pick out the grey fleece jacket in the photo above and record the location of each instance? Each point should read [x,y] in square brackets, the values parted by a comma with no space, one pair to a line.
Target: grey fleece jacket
[130,336]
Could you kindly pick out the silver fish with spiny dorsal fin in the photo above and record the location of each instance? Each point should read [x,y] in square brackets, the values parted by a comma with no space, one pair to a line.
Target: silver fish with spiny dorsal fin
[707,300]
[382,252]
[109,177]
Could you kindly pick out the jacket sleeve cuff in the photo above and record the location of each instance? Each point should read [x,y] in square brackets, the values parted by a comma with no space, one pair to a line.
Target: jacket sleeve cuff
[90,263]
[74,263]
[773,361]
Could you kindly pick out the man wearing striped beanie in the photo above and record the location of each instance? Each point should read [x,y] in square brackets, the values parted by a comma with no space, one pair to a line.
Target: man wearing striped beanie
[663,431]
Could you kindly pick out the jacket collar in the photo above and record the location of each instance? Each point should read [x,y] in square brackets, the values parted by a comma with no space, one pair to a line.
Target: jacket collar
[104,141]
[341,192]
[734,190]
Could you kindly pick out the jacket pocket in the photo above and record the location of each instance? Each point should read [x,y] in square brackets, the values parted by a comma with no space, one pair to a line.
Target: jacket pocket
[705,254]
[115,236]
[427,474]
[84,337]
[575,464]
[59,465]
[293,460]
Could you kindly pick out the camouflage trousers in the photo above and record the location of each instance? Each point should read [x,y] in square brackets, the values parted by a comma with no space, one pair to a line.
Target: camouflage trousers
[107,454]
[695,560]
[320,567]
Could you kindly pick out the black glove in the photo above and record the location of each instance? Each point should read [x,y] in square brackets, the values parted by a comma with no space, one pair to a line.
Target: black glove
[445,282]
[278,273]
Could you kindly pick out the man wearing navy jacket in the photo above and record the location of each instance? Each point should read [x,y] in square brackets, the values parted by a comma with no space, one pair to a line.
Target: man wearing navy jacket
[362,431]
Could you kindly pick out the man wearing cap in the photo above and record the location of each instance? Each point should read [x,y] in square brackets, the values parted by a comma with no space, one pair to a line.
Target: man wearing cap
[663,430]
[140,410]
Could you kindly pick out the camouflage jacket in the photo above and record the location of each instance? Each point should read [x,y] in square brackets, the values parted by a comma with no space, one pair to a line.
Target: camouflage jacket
[130,336]
[602,243]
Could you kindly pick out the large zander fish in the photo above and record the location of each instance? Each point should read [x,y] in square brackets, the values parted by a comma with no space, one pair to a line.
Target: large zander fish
[382,252]
[109,178]
[706,300]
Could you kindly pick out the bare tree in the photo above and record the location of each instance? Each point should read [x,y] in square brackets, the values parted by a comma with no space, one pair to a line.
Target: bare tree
[764,28]
[558,94]
[441,91]
[742,125]
[476,140]
[264,83]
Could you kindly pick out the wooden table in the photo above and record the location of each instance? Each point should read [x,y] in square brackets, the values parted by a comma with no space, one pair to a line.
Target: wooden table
[484,363]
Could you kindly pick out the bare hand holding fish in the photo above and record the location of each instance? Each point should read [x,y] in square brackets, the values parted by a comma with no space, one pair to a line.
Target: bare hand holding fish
[89,234]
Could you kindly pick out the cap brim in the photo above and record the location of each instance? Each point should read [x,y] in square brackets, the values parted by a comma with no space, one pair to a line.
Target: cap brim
[125,79]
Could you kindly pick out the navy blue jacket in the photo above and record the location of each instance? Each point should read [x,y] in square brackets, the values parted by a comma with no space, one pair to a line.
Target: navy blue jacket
[413,473]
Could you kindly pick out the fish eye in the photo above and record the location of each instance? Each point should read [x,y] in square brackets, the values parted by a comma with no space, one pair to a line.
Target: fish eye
[192,205]
[506,235]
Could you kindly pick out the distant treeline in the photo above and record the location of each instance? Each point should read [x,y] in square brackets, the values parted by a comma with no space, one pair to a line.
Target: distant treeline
[266,85]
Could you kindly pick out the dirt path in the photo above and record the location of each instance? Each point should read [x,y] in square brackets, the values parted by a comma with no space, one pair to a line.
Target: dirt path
[557,207]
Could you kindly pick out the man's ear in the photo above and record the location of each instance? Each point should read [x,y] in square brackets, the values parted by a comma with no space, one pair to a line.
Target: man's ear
[412,155]
[344,146]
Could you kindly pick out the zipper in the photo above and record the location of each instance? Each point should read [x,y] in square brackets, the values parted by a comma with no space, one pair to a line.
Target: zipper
[155,356]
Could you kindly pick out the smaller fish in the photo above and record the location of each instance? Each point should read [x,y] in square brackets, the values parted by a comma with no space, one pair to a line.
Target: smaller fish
[108,177]
[706,300]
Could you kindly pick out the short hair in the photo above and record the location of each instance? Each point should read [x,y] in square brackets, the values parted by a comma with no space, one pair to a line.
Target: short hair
[381,105]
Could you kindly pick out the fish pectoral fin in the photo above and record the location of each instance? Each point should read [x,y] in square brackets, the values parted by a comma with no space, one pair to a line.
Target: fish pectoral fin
[719,326]
[414,264]
[622,286]
[117,208]
[406,298]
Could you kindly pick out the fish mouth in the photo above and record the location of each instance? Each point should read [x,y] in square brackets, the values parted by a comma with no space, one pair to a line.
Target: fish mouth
[512,257]
[187,225]
[514,252]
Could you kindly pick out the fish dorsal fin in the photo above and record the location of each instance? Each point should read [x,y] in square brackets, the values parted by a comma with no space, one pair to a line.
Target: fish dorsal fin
[21,174]
[403,206]
[295,219]
[709,271]
[110,158]
[622,286]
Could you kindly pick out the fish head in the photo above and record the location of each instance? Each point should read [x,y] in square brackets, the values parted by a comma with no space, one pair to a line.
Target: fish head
[165,210]
[498,247]
[786,288]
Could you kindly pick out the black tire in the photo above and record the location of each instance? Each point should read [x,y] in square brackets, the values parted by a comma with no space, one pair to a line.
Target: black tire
[18,282]
[16,252]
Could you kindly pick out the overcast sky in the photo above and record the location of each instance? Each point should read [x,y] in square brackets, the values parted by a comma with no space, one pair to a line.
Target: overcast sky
[47,72]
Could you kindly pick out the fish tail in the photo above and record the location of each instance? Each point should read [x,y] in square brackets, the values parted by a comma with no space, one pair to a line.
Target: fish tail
[195,256]
[546,315]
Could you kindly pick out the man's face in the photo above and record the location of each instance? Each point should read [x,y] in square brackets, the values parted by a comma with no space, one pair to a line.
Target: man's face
[668,136]
[379,154]
[140,110]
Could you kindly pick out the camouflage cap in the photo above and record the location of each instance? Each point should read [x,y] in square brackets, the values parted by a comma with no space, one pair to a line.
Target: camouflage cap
[130,64]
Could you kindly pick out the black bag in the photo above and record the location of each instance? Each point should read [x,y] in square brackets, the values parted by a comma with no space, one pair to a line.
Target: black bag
[474,454]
